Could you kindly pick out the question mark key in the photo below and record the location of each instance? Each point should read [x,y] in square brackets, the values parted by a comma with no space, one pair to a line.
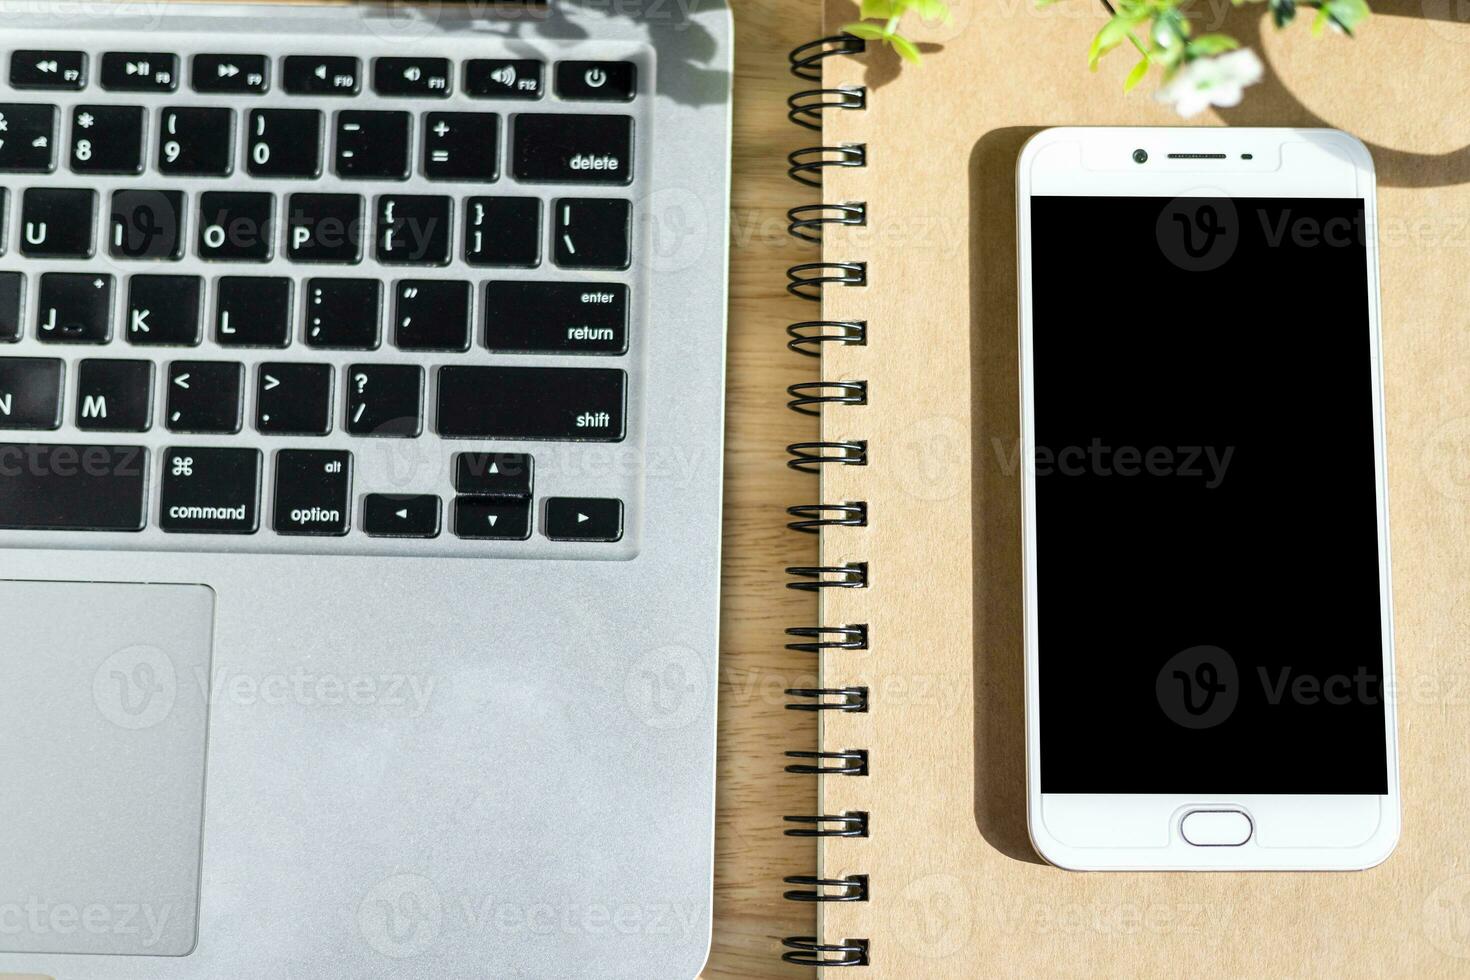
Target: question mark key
[385,400]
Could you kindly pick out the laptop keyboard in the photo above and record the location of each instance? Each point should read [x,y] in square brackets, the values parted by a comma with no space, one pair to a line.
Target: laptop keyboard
[317,300]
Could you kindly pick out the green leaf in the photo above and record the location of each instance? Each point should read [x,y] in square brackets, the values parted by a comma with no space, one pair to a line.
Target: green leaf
[1112,34]
[906,48]
[1136,75]
[1347,14]
[932,10]
[868,32]
[1211,44]
[1320,22]
[882,9]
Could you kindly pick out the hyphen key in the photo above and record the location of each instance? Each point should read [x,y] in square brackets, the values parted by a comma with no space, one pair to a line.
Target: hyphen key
[583,404]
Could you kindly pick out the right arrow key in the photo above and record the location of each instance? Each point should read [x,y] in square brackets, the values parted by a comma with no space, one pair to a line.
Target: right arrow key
[584,519]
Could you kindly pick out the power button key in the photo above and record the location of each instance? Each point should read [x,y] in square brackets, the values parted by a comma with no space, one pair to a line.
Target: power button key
[596,81]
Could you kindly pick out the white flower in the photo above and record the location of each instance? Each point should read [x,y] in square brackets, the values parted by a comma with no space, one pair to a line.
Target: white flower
[1204,82]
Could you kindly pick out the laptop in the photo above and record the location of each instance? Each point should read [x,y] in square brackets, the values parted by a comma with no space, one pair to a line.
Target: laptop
[361,415]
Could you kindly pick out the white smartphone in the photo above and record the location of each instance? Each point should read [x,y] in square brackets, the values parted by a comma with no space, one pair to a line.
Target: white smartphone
[1209,645]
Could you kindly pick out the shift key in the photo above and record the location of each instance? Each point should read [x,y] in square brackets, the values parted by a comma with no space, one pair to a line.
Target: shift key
[581,404]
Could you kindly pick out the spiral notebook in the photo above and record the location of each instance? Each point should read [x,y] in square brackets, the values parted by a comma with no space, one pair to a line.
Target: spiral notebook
[906,198]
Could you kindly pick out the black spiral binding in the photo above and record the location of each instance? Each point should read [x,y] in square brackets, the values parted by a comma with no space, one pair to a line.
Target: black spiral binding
[808,280]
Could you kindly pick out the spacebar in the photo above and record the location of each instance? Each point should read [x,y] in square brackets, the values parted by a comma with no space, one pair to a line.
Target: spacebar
[55,487]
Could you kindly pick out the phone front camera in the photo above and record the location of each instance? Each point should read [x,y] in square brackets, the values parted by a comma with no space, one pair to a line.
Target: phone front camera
[1140,156]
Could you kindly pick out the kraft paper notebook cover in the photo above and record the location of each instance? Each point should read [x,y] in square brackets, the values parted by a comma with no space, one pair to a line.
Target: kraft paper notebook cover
[918,245]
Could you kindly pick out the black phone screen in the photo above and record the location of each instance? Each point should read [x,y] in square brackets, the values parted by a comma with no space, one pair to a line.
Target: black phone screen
[1208,586]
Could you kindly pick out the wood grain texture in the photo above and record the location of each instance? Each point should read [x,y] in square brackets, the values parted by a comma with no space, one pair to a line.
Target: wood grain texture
[956,889]
[751,853]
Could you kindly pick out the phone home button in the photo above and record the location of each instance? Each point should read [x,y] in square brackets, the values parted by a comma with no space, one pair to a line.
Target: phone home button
[1216,828]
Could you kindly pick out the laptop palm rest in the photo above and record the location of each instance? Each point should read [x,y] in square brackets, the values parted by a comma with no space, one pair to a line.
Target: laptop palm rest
[102,738]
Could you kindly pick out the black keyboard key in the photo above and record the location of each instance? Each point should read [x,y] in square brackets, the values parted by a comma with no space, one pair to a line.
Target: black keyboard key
[204,396]
[196,142]
[73,488]
[393,515]
[321,75]
[235,226]
[502,78]
[496,518]
[556,317]
[284,143]
[431,314]
[372,145]
[30,393]
[234,74]
[343,313]
[139,71]
[461,146]
[294,399]
[107,139]
[164,310]
[59,70]
[324,228]
[313,491]
[502,231]
[147,225]
[494,474]
[584,519]
[253,311]
[28,141]
[12,296]
[385,400]
[74,308]
[592,233]
[573,149]
[413,229]
[57,222]
[115,396]
[411,76]
[210,491]
[584,404]
[597,81]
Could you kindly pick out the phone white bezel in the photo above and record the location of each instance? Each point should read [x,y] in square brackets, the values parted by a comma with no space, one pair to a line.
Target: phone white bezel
[1142,831]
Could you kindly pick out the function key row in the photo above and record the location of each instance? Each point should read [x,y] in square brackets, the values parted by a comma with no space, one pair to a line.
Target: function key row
[296,398]
[335,75]
[288,143]
[242,226]
[340,314]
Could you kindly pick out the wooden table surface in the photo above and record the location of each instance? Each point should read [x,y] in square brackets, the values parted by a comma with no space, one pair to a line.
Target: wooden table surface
[751,854]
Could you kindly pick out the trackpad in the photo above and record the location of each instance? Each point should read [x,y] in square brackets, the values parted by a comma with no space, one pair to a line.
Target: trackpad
[102,733]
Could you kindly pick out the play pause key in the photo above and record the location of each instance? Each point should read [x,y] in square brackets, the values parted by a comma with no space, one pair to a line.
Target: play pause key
[584,519]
